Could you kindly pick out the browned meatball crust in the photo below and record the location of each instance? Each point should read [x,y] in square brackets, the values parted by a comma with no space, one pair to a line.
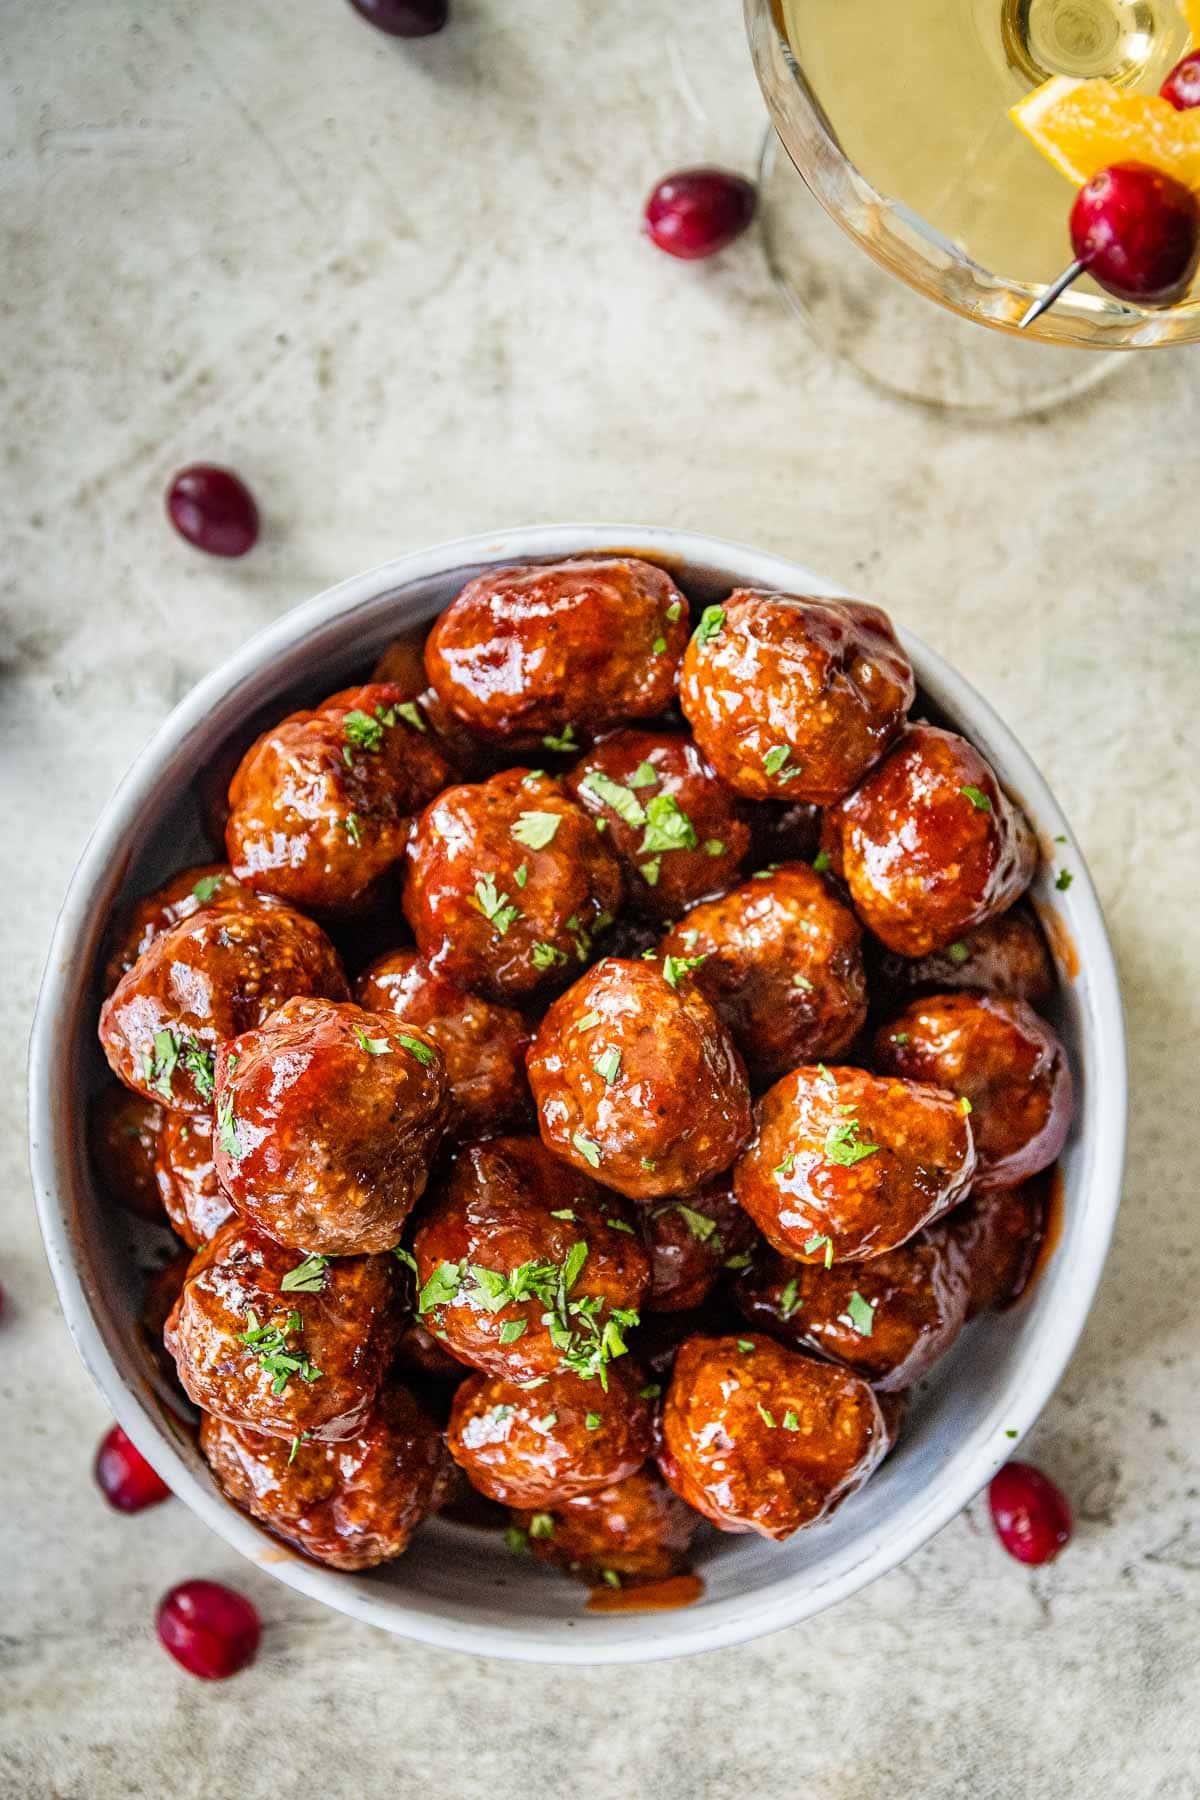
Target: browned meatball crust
[536,1447]
[1004,1060]
[186,1176]
[526,652]
[692,1239]
[930,845]
[637,1081]
[279,1342]
[178,898]
[484,1043]
[525,1267]
[782,966]
[846,1165]
[890,1319]
[759,1438]
[123,1133]
[679,831]
[509,882]
[200,983]
[353,1504]
[999,1234]
[793,698]
[637,1530]
[327,1120]
[321,806]
[1007,955]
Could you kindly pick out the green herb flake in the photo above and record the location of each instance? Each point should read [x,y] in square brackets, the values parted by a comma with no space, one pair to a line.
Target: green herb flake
[746,1347]
[364,732]
[1063,880]
[741,1261]
[711,621]
[844,1145]
[822,862]
[269,1345]
[958,953]
[861,1314]
[790,1421]
[588,1020]
[623,801]
[644,775]
[516,1541]
[649,1164]
[789,1299]
[546,1423]
[775,762]
[713,847]
[676,967]
[1012,1433]
[815,1242]
[547,956]
[658,646]
[650,871]
[495,907]
[825,1075]
[308,1277]
[803,983]
[587,1148]
[611,1578]
[372,1046]
[564,742]
[767,1417]
[900,1037]
[667,826]
[977,797]
[227,1131]
[592,1421]
[521,874]
[512,1329]
[411,714]
[441,1288]
[350,826]
[698,1223]
[536,829]
[787,1165]
[206,887]
[424,1053]
[405,1256]
[651,1391]
[620,1225]
[674,611]
[608,1066]
[564,1212]
[541,1525]
[964,1106]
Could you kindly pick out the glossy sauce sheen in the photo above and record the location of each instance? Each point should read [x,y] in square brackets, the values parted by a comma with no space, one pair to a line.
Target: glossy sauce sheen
[667,1595]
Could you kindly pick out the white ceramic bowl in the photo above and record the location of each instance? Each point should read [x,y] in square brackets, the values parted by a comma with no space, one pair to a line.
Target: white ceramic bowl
[457,1587]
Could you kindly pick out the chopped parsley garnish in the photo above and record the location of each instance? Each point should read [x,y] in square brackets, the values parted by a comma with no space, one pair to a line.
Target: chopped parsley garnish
[825,1076]
[698,1223]
[1064,880]
[676,967]
[541,1525]
[296,1443]
[269,1345]
[860,1314]
[1012,1433]
[592,1421]
[308,1277]
[171,1051]
[227,1131]
[521,874]
[512,1329]
[790,1421]
[713,847]
[364,732]
[496,908]
[206,887]
[546,1423]
[803,983]
[649,1164]
[547,956]
[644,775]
[741,1261]
[623,800]
[900,1037]
[821,862]
[765,1414]
[516,1541]
[651,1391]
[405,1256]
[673,611]
[500,1413]
[711,621]
[608,1066]
[423,1053]
[620,1225]
[844,1145]
[611,1578]
[977,797]
[564,742]
[815,1242]
[787,1165]
[789,1299]
[350,826]
[667,826]
[650,871]
[764,874]
[564,1212]
[958,952]
[964,1105]
[411,714]
[776,762]
[441,1288]
[746,1347]
[372,1046]
[587,1021]
[536,829]
[587,1148]
[658,646]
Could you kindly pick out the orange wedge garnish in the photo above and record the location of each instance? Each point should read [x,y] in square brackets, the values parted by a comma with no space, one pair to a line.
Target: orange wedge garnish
[1083,126]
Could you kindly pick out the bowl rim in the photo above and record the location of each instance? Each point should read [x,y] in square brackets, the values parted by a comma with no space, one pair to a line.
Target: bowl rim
[731,1620]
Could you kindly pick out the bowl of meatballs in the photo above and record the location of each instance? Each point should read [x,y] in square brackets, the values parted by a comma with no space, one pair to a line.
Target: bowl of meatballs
[577,1101]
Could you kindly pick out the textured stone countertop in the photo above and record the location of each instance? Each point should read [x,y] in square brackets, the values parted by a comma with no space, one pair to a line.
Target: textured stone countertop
[401,289]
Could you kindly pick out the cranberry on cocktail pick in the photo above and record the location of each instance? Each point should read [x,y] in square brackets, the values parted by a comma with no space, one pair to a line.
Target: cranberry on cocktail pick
[404,18]
[1182,86]
[213,510]
[1031,1516]
[124,1476]
[211,1631]
[696,212]
[1136,231]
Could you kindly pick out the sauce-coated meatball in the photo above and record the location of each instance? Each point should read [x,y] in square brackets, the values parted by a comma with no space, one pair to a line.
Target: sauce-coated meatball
[930,845]
[536,1447]
[759,1438]
[353,1504]
[177,899]
[691,1240]
[637,1529]
[677,828]
[846,1165]
[637,1081]
[279,1342]
[321,806]
[509,881]
[123,1133]
[889,1319]
[327,1119]
[200,983]
[1005,1060]
[999,1233]
[1007,955]
[484,1044]
[782,966]
[793,698]
[524,653]
[523,1266]
[185,1172]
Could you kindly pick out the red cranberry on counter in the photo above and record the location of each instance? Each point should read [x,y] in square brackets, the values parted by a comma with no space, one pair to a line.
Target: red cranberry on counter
[213,509]
[1031,1516]
[211,1631]
[696,212]
[124,1476]
[404,18]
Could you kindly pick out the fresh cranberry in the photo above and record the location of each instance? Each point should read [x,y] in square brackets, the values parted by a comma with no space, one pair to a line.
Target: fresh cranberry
[124,1476]
[404,18]
[1182,86]
[1031,1516]
[212,509]
[1137,232]
[696,212]
[209,1629]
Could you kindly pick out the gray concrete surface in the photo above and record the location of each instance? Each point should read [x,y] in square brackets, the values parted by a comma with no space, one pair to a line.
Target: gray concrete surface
[401,289]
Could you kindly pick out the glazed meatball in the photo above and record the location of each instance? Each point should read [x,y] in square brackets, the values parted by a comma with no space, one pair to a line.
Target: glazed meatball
[1007,955]
[782,965]
[759,1438]
[186,1176]
[846,1165]
[1004,1060]
[929,845]
[533,652]
[793,698]
[282,1343]
[890,1319]
[524,1267]
[327,1119]
[321,806]
[123,1132]
[637,1081]
[636,1530]
[509,881]
[353,1504]
[678,830]
[692,1239]
[162,1290]
[177,899]
[200,983]
[484,1044]
[999,1234]
[536,1447]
